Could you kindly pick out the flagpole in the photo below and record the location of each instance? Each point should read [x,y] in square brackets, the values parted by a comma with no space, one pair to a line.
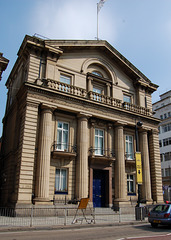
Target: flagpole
[97,23]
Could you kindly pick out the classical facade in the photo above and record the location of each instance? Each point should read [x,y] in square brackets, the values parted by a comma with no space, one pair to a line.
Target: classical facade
[69,127]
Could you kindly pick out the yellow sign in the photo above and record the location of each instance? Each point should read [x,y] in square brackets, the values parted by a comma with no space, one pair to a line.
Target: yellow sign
[138,167]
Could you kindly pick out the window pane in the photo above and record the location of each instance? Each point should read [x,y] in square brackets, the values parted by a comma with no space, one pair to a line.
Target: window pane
[57,179]
[97,90]
[59,139]
[127,98]
[59,125]
[65,125]
[63,180]
[65,79]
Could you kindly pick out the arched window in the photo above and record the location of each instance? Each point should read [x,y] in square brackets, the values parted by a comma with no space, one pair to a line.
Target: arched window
[97,73]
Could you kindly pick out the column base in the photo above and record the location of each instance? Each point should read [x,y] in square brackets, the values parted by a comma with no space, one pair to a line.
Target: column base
[42,201]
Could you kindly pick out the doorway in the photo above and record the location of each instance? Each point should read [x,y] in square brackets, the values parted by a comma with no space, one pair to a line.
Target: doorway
[100,188]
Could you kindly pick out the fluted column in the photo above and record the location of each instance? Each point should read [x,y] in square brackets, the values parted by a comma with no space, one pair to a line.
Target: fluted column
[146,187]
[43,161]
[120,180]
[82,160]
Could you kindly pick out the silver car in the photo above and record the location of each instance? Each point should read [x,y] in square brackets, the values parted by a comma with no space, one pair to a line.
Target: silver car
[160,214]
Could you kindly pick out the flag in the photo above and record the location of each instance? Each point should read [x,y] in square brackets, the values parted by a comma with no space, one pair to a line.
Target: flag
[100,4]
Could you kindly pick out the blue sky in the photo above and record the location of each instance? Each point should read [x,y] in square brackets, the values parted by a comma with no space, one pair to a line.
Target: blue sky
[139,29]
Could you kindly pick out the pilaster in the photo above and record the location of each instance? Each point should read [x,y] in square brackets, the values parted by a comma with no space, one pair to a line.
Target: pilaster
[155,165]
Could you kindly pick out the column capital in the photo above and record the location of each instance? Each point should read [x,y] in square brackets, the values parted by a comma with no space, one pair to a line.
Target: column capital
[47,108]
[120,124]
[155,131]
[84,115]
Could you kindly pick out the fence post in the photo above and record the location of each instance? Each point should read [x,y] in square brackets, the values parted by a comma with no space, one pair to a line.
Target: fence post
[94,215]
[119,214]
[65,217]
[31,218]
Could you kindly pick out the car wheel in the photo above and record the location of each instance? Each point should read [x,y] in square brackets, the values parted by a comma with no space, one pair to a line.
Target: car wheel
[154,225]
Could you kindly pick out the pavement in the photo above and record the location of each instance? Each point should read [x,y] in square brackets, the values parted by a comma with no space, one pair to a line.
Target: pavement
[63,227]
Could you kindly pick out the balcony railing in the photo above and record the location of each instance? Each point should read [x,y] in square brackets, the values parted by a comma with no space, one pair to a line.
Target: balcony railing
[63,87]
[100,152]
[77,91]
[129,156]
[63,148]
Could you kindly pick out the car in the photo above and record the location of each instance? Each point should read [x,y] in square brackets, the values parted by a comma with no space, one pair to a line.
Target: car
[160,214]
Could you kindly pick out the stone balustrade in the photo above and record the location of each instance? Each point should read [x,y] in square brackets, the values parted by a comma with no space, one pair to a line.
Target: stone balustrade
[73,90]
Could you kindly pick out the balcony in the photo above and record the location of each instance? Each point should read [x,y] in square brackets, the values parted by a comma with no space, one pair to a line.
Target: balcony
[92,96]
[129,158]
[101,155]
[60,150]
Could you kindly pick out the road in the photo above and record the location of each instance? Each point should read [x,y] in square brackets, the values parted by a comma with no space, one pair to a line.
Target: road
[123,232]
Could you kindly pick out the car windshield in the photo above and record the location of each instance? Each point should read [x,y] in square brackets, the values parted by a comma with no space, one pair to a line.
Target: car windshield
[160,208]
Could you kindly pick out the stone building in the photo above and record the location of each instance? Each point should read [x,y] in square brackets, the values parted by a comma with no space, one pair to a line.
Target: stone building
[3,64]
[69,127]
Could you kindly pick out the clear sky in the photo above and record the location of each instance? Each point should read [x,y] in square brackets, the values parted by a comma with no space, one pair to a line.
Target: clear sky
[139,29]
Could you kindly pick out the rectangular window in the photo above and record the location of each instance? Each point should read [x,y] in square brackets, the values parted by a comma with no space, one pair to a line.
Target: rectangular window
[127,98]
[169,114]
[167,172]
[65,79]
[165,115]
[130,183]
[129,147]
[161,117]
[161,157]
[62,136]
[99,142]
[61,181]
[167,156]
[160,143]
[166,128]
[166,141]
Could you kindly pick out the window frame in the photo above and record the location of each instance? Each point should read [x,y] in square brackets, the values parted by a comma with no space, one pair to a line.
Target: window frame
[62,191]
[129,181]
[101,148]
[62,149]
[128,154]
[126,95]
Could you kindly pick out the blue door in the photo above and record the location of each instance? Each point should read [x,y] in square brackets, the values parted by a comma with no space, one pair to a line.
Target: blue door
[99,195]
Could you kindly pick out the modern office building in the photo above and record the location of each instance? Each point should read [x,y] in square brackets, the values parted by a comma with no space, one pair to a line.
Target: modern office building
[162,110]
[76,113]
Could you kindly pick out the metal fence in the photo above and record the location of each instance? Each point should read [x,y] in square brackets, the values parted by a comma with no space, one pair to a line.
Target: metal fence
[64,216]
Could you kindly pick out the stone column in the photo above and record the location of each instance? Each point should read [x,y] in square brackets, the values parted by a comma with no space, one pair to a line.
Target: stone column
[120,180]
[90,84]
[43,159]
[82,158]
[146,187]
[155,166]
[108,85]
